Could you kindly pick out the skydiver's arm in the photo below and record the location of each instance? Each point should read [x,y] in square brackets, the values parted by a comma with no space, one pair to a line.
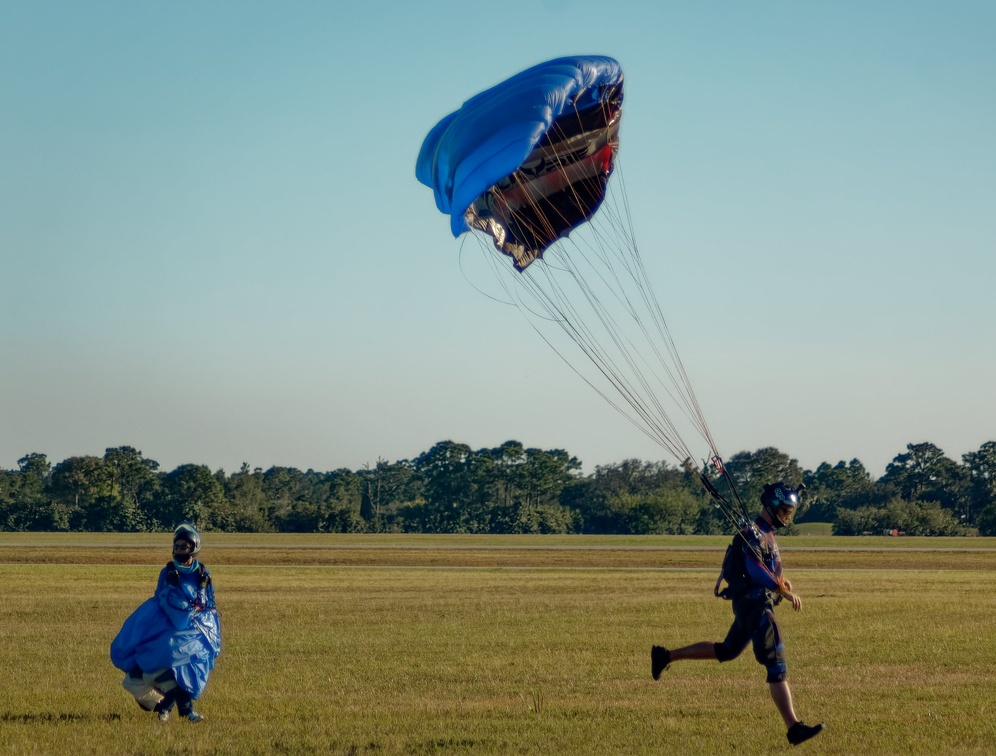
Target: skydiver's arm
[758,573]
[210,596]
[764,578]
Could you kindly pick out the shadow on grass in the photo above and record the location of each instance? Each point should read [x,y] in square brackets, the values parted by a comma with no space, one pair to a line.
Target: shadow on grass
[50,718]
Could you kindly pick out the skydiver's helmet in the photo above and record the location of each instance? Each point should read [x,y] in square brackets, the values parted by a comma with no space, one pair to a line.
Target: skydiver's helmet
[186,543]
[780,502]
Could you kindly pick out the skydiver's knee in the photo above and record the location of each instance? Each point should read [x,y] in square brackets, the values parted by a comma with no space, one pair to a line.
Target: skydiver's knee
[777,672]
[772,658]
[726,652]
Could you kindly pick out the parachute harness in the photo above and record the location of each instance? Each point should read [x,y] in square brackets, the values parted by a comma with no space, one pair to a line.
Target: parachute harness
[737,514]
[203,578]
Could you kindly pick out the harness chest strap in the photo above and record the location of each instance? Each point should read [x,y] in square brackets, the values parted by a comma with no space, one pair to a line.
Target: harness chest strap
[173,575]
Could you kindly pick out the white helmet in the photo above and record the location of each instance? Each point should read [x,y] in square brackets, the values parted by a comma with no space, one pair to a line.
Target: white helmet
[186,534]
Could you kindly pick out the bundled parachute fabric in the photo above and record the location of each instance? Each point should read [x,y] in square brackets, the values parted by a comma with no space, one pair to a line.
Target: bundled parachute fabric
[529,159]
[176,629]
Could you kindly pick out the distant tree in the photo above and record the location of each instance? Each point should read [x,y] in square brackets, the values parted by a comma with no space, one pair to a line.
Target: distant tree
[604,499]
[282,487]
[9,514]
[924,473]
[542,476]
[340,501]
[829,488]
[385,488]
[82,488]
[191,494]
[671,511]
[33,500]
[912,518]
[24,503]
[34,471]
[751,470]
[858,521]
[981,469]
[507,489]
[449,503]
[246,509]
[313,502]
[930,519]
[501,469]
[524,487]
[987,521]
[135,486]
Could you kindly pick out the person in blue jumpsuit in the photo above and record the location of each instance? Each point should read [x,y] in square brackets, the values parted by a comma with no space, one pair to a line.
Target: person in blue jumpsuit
[168,646]
[753,570]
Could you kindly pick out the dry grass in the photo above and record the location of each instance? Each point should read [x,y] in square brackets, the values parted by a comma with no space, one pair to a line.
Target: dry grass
[322,659]
[588,552]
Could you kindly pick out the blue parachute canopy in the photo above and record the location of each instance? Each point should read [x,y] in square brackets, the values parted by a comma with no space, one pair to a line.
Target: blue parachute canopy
[178,628]
[528,160]
[150,640]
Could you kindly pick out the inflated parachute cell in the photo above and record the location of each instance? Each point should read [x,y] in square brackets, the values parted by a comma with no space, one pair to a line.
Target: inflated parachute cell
[528,160]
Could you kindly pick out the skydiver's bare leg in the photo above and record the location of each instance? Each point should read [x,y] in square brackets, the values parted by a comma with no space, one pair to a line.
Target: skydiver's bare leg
[781,694]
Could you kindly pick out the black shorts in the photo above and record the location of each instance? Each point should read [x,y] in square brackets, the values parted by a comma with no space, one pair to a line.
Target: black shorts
[754,622]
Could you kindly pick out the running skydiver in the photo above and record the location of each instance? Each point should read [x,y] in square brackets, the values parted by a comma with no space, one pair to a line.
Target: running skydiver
[753,570]
[168,645]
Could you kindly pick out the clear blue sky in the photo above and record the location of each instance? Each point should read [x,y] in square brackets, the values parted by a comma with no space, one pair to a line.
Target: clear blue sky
[213,247]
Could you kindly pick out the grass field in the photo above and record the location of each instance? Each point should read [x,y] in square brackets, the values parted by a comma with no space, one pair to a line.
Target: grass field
[394,644]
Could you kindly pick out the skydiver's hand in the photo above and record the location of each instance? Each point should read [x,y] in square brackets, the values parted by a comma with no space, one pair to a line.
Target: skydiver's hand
[796,601]
[787,583]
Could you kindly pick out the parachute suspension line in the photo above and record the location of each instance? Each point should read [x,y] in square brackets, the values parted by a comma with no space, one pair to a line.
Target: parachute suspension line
[542,283]
[733,489]
[640,392]
[627,257]
[589,346]
[737,512]
[671,363]
[607,256]
[558,309]
[620,219]
[563,264]
[618,258]
[652,305]
[630,381]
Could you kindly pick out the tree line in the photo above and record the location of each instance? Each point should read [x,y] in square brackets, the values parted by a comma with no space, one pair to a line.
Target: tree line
[452,488]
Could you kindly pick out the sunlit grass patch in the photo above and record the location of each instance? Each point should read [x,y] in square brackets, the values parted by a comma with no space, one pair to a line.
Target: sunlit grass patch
[483,660]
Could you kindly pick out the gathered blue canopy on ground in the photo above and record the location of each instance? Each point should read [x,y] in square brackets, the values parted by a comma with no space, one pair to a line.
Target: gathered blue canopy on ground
[172,631]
